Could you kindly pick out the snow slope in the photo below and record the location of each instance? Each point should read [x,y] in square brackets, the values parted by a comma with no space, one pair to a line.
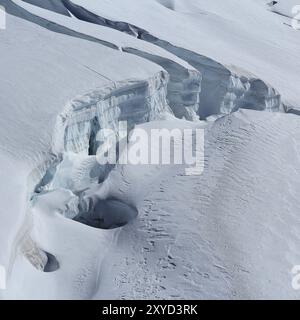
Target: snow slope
[185,81]
[224,89]
[285,7]
[229,233]
[247,35]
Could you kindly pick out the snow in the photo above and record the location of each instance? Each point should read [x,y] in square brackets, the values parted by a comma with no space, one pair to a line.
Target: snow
[285,7]
[42,64]
[53,5]
[72,229]
[179,90]
[230,235]
[247,35]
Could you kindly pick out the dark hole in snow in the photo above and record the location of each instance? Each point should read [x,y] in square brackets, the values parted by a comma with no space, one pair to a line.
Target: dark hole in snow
[52,263]
[108,214]
[169,4]
[93,144]
[272,3]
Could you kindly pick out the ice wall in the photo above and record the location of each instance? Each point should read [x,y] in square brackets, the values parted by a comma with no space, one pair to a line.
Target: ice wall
[132,101]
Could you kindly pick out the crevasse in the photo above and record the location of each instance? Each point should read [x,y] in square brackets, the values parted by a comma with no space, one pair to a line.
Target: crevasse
[73,166]
[133,101]
[222,89]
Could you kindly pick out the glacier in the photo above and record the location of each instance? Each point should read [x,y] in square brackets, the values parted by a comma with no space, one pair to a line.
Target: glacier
[81,230]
